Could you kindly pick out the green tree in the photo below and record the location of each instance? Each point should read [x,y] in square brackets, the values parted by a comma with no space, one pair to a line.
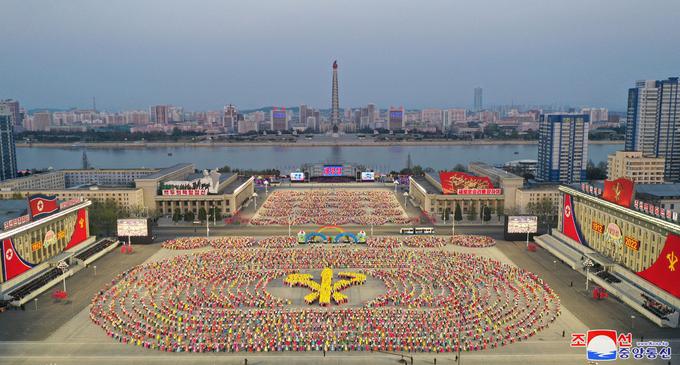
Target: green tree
[103,217]
[472,212]
[176,215]
[202,214]
[458,214]
[460,168]
[487,214]
[189,216]
[224,169]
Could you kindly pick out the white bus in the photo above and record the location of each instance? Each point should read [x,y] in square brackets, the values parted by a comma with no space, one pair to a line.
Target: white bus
[417,230]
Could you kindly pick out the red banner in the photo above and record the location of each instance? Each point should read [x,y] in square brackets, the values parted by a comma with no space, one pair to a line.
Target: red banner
[41,206]
[569,221]
[12,264]
[665,271]
[452,181]
[619,191]
[80,232]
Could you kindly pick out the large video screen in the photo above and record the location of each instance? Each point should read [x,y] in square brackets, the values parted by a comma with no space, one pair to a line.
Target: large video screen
[522,224]
[396,114]
[297,176]
[332,170]
[133,228]
[367,176]
[280,115]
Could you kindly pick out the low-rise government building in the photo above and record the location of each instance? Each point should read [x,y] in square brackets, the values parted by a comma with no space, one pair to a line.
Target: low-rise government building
[623,244]
[154,191]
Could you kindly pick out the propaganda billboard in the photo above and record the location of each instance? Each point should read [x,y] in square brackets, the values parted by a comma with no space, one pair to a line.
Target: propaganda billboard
[453,181]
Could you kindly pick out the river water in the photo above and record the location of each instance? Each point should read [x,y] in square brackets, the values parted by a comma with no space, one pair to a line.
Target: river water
[285,158]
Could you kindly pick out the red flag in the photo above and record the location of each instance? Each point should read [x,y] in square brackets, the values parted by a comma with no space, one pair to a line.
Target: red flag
[40,205]
[619,191]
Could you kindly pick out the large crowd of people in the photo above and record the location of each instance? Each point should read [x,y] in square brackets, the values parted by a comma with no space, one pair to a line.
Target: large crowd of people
[218,301]
[190,243]
[430,241]
[330,207]
[475,241]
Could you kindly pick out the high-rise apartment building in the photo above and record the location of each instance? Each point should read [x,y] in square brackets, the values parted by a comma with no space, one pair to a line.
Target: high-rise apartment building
[642,117]
[279,119]
[451,116]
[432,117]
[8,153]
[159,114]
[634,166]
[478,99]
[41,121]
[562,147]
[302,114]
[14,110]
[653,122]
[230,120]
[396,118]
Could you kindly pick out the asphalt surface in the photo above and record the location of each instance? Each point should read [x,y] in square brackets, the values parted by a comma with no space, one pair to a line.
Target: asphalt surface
[36,325]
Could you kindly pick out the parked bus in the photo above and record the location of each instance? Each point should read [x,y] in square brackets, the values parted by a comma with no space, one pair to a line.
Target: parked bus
[417,230]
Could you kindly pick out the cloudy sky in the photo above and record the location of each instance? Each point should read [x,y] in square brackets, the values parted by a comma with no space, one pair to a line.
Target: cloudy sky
[203,54]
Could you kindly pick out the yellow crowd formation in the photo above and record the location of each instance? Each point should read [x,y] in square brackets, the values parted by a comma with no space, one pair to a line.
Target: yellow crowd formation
[330,207]
[219,301]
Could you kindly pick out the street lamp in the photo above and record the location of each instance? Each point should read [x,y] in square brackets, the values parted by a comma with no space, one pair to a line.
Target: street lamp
[632,322]
[405,198]
[396,183]
[588,264]
[266,186]
[63,266]
[255,199]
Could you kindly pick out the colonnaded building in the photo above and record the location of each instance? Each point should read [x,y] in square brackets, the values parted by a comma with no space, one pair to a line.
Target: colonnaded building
[485,185]
[159,191]
[624,244]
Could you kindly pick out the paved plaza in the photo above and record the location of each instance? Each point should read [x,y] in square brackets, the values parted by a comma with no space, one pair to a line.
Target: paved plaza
[66,334]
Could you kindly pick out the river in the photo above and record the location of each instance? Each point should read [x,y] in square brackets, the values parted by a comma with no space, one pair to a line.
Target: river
[383,158]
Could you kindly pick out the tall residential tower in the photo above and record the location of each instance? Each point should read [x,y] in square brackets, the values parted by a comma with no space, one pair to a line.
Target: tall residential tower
[478,99]
[653,122]
[8,152]
[562,147]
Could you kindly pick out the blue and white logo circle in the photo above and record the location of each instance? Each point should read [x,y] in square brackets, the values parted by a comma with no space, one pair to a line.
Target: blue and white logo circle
[601,348]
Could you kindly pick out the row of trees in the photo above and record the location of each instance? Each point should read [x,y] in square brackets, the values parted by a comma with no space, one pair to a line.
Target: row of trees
[472,215]
[249,172]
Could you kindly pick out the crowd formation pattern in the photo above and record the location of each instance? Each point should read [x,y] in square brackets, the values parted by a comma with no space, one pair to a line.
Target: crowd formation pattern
[218,301]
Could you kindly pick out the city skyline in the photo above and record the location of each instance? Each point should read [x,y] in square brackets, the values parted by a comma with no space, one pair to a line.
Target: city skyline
[432,62]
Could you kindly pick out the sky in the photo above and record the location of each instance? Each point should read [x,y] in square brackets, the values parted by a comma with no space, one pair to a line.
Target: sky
[204,54]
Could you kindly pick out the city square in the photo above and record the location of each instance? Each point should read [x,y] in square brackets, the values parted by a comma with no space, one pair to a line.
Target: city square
[342,183]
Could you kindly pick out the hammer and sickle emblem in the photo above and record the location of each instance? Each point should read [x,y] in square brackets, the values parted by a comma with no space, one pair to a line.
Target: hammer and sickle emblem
[672,260]
[81,222]
[617,191]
